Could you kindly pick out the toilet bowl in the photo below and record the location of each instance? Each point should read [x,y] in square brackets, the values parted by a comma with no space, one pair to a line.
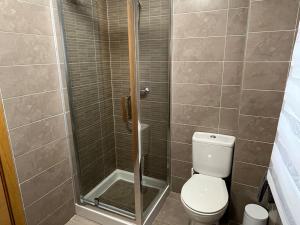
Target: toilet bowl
[204,196]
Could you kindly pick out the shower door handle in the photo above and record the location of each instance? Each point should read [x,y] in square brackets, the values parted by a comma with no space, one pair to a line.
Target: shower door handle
[124,110]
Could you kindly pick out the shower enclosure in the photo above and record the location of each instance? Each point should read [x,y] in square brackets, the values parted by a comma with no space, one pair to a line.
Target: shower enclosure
[117,54]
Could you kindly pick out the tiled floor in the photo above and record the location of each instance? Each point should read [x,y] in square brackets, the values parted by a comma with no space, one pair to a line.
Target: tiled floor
[172,213]
[77,220]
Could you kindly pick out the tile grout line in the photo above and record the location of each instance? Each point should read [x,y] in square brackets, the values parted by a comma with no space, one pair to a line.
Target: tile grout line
[223,66]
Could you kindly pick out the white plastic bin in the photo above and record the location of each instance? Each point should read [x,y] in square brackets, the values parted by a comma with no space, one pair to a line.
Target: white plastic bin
[255,215]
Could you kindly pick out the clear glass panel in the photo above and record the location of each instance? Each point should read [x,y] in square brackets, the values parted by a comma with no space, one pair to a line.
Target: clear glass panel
[97,60]
[154,39]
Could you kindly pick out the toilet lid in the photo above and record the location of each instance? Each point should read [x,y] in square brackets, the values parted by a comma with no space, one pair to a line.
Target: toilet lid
[205,194]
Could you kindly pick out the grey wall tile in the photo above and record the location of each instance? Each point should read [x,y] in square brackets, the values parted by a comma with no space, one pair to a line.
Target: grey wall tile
[24,110]
[8,46]
[34,162]
[248,174]
[197,72]
[38,186]
[269,46]
[61,215]
[37,134]
[233,72]
[257,128]
[261,103]
[200,24]
[270,15]
[181,169]
[229,119]
[238,3]
[230,96]
[266,75]
[23,80]
[237,21]
[192,115]
[184,133]
[177,183]
[253,152]
[181,151]
[235,47]
[197,6]
[198,49]
[43,51]
[189,94]
[49,203]
[23,20]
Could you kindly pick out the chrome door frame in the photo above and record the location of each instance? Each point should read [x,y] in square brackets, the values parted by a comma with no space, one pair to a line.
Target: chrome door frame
[133,47]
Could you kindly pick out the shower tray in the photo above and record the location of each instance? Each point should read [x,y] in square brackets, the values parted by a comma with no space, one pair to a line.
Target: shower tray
[116,193]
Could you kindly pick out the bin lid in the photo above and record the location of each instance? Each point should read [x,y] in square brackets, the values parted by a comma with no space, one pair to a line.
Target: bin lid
[256,212]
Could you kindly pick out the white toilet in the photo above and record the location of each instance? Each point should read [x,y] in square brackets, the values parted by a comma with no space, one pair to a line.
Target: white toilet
[205,196]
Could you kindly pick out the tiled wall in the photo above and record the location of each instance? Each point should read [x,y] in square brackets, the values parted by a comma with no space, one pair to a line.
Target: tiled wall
[32,97]
[229,77]
[87,49]
[208,44]
[270,38]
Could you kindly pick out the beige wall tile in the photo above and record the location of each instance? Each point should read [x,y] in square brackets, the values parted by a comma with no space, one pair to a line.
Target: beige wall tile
[49,204]
[197,6]
[197,72]
[200,24]
[180,151]
[34,49]
[270,15]
[181,169]
[199,49]
[257,128]
[248,174]
[41,184]
[37,134]
[184,133]
[233,72]
[261,103]
[8,49]
[24,80]
[253,152]
[177,183]
[61,214]
[237,21]
[22,17]
[230,96]
[238,3]
[35,162]
[24,110]
[190,94]
[229,119]
[266,75]
[269,46]
[195,115]
[235,47]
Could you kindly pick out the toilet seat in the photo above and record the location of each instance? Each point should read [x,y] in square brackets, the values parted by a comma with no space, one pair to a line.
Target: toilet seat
[205,194]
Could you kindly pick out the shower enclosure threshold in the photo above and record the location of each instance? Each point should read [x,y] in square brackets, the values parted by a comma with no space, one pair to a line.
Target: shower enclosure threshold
[118,187]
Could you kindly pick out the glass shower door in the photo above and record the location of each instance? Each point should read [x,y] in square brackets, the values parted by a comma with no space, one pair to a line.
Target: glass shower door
[152,39]
[149,38]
